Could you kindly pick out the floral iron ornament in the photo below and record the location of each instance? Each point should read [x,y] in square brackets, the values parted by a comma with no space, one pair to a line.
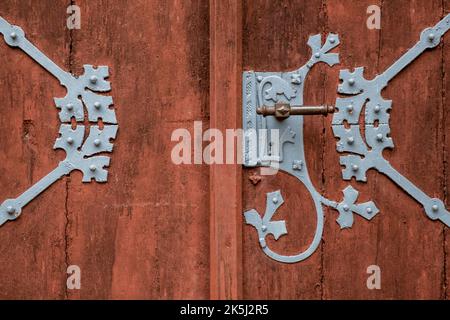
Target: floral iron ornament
[81,153]
[368,92]
[266,93]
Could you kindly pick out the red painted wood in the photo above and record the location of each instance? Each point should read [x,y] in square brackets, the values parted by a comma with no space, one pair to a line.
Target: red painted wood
[32,248]
[145,233]
[162,231]
[275,39]
[225,187]
[446,151]
[406,245]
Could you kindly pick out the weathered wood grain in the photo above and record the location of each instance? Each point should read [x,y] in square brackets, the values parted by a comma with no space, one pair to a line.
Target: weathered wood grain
[406,245]
[145,234]
[32,249]
[446,149]
[275,37]
[225,180]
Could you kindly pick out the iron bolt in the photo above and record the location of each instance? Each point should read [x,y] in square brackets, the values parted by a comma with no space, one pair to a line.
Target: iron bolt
[350,140]
[332,40]
[275,200]
[93,79]
[317,55]
[97,142]
[379,137]
[351,81]
[69,106]
[355,167]
[264,228]
[97,105]
[10,210]
[346,207]
[431,37]
[92,167]
[350,108]
[70,140]
[369,210]
[377,108]
[435,208]
[13,35]
[259,78]
[295,78]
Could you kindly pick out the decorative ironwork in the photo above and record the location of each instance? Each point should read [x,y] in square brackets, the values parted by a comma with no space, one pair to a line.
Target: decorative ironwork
[266,90]
[83,153]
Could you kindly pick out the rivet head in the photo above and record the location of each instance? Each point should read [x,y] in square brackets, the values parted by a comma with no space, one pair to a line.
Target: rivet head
[259,78]
[10,210]
[351,81]
[377,108]
[332,40]
[262,242]
[369,210]
[264,228]
[346,207]
[93,79]
[355,167]
[435,208]
[350,140]
[13,35]
[294,166]
[350,108]
[296,79]
[431,37]
[92,167]
[69,107]
[97,142]
[275,200]
[69,140]
[317,55]
[379,137]
[97,105]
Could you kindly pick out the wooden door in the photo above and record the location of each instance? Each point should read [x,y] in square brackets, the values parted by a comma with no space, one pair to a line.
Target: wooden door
[157,230]
[410,249]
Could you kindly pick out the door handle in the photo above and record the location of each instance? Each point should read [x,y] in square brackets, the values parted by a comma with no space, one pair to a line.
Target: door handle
[285,110]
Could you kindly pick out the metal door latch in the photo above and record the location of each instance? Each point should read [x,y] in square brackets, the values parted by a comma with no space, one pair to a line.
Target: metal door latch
[82,153]
[264,93]
[275,93]
[285,110]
